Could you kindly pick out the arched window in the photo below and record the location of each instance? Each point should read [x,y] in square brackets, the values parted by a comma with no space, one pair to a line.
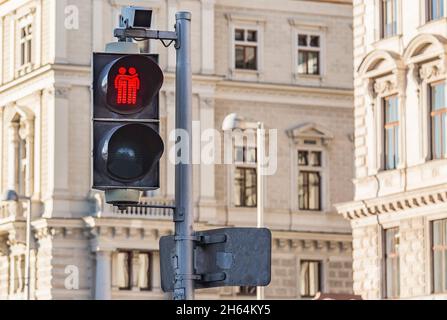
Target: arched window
[426,56]
[384,79]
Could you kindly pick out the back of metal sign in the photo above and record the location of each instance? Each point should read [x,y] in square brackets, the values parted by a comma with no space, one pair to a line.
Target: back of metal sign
[224,257]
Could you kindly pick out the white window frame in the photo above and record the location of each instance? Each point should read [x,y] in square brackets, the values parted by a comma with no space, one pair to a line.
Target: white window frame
[317,29]
[378,119]
[249,22]
[427,241]
[321,67]
[132,253]
[27,19]
[425,12]
[379,20]
[246,43]
[323,272]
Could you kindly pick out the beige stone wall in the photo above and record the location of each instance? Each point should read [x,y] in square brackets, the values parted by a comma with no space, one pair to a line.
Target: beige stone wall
[412,195]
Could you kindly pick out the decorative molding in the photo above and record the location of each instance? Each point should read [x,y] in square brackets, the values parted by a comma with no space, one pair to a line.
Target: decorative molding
[391,204]
[245,18]
[312,245]
[431,71]
[311,131]
[384,87]
[310,25]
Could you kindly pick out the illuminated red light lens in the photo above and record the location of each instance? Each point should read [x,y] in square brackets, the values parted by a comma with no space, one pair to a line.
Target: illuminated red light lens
[127,85]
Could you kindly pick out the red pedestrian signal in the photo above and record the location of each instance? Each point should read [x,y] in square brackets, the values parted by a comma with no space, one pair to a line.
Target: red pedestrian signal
[127,85]
[126,142]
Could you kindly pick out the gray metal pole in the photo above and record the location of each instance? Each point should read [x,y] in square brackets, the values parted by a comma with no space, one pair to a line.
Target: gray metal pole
[184,218]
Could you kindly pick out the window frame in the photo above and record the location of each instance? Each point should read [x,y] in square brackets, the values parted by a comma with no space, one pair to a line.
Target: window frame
[25,21]
[320,277]
[443,250]
[309,169]
[385,260]
[309,30]
[308,49]
[131,256]
[321,170]
[432,114]
[397,135]
[246,44]
[237,21]
[245,140]
[243,195]
[428,12]
[382,13]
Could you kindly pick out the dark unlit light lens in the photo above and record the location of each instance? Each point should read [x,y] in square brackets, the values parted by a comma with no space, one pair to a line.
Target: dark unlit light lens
[129,152]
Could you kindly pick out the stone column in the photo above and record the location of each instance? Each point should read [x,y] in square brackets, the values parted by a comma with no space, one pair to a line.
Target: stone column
[207,36]
[156,281]
[207,209]
[103,284]
[13,152]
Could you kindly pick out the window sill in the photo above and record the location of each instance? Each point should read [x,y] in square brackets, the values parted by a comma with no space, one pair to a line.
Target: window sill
[245,74]
[233,207]
[298,211]
[307,79]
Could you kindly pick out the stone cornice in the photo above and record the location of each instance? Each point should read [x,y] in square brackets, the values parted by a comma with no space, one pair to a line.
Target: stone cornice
[308,245]
[393,203]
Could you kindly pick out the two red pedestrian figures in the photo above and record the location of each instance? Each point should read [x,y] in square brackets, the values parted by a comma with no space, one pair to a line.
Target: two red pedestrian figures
[127,86]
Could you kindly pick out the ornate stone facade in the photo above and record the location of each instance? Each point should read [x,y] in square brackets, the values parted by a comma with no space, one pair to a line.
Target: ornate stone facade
[411,197]
[45,144]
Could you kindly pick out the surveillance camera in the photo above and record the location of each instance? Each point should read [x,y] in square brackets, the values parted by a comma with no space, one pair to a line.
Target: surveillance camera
[136,17]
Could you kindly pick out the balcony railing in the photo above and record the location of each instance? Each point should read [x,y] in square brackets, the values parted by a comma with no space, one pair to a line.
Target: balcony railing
[11,211]
[142,213]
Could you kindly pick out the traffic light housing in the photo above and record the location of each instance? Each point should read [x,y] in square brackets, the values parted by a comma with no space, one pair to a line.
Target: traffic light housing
[127,146]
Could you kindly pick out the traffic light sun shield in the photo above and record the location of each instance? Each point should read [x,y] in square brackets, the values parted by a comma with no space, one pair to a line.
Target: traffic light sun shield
[131,151]
[129,84]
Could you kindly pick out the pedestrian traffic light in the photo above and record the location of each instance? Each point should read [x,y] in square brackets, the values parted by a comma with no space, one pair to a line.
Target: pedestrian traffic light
[127,146]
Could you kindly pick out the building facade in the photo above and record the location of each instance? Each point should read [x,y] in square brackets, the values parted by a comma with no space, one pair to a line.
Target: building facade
[398,213]
[287,64]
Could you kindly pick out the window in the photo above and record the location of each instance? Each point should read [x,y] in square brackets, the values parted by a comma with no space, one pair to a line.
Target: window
[435,9]
[245,175]
[392,273]
[438,113]
[247,291]
[439,255]
[133,270]
[391,132]
[310,277]
[309,54]
[245,155]
[245,187]
[309,179]
[246,47]
[389,18]
[26,38]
